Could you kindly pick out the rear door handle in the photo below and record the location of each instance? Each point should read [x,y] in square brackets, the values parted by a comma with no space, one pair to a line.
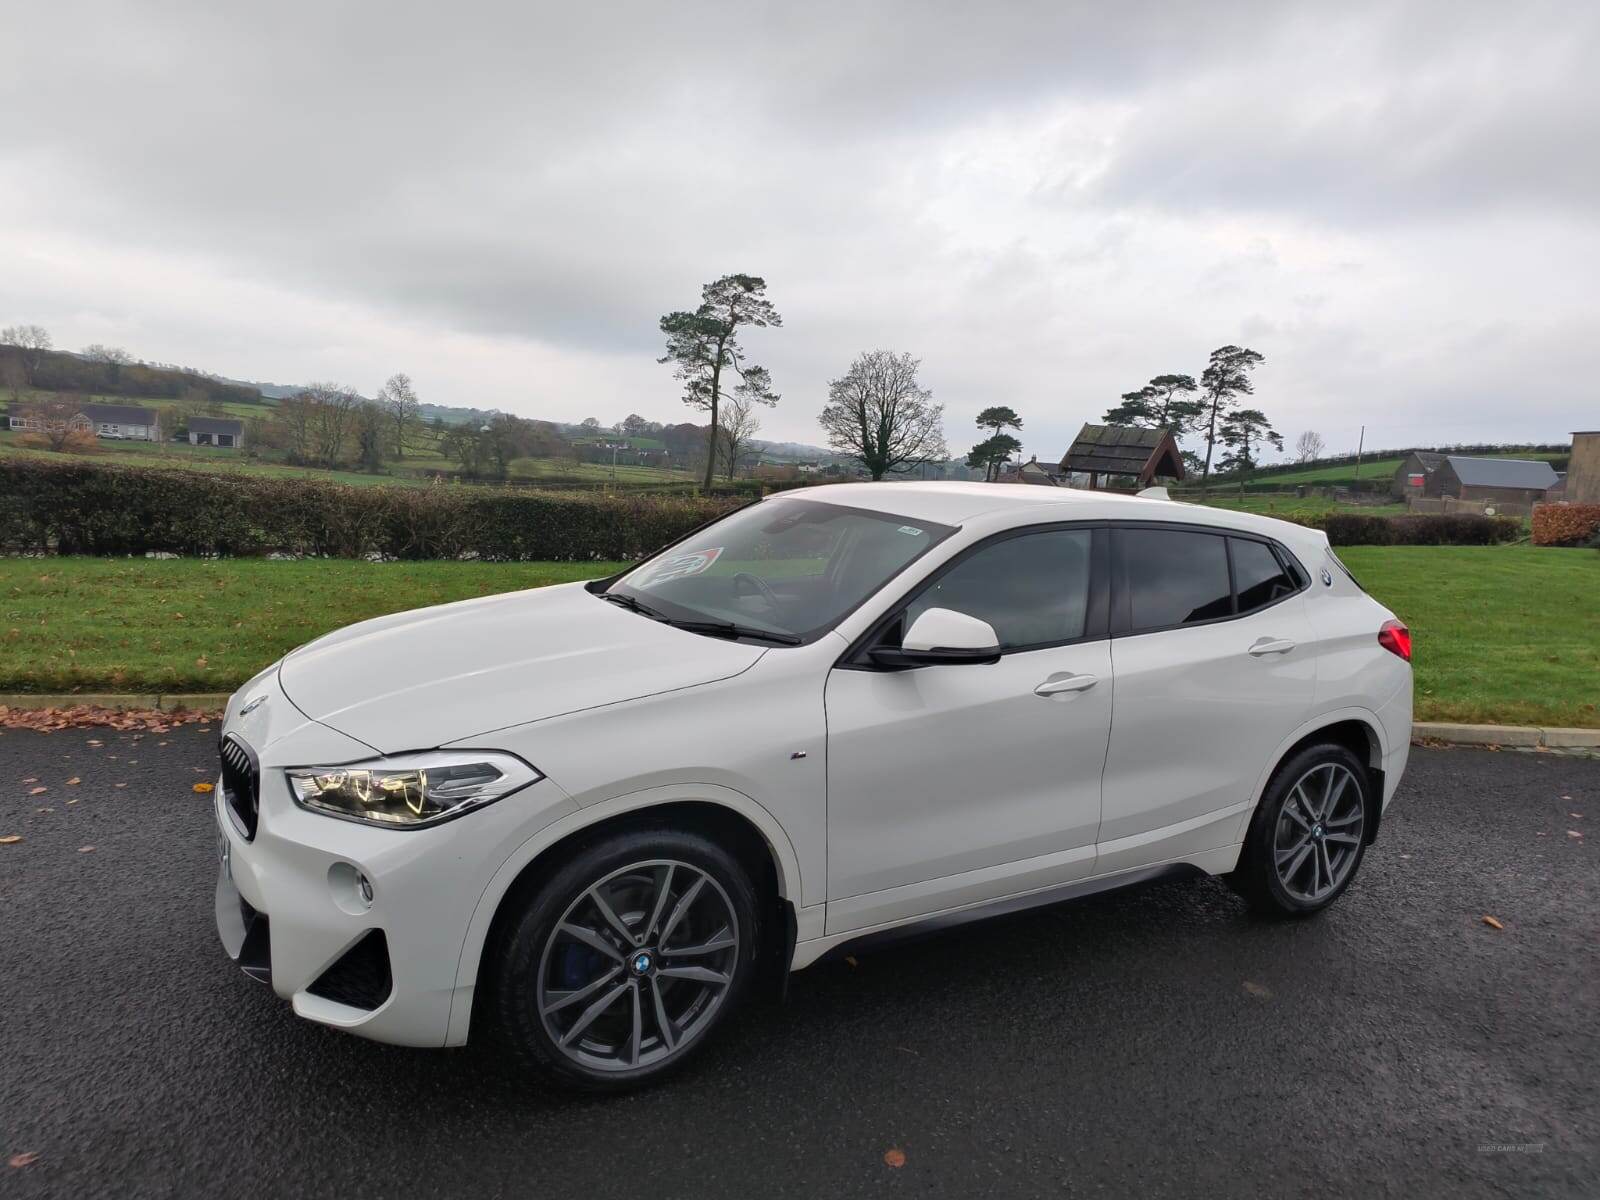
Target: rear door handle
[1057,684]
[1271,646]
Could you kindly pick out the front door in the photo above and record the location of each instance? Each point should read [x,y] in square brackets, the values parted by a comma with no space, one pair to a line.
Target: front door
[953,784]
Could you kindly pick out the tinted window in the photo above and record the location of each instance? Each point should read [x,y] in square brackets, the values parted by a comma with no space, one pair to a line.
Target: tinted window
[1258,575]
[1033,589]
[1175,577]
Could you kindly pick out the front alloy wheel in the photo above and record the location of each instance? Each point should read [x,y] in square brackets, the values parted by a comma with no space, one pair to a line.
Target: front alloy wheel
[638,965]
[624,961]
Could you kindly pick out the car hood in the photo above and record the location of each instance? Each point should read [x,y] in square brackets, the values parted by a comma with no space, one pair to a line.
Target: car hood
[420,679]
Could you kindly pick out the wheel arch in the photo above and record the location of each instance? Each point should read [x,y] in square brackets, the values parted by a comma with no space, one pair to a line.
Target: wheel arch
[1356,729]
[736,821]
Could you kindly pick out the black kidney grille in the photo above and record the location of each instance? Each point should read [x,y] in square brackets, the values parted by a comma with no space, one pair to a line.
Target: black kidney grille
[241,783]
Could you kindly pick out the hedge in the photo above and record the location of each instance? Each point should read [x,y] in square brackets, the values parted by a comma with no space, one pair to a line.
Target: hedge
[1565,524]
[83,508]
[1455,529]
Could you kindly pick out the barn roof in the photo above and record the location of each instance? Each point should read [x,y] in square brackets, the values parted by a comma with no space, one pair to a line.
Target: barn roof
[215,425]
[1428,460]
[1534,474]
[1124,450]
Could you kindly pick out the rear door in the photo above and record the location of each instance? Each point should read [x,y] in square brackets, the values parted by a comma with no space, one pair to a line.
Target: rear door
[1214,668]
[953,784]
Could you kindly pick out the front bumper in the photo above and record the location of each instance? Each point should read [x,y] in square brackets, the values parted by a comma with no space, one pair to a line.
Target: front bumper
[290,909]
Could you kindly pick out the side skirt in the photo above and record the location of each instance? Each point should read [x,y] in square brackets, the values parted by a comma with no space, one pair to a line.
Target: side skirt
[1044,898]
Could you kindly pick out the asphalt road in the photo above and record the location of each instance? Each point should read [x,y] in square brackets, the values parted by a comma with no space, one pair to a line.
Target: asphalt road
[1156,1043]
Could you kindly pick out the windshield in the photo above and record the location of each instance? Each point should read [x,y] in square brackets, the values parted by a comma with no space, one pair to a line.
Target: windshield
[786,568]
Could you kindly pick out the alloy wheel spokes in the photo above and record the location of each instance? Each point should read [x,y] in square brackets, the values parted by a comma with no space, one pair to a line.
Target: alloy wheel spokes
[1318,839]
[613,991]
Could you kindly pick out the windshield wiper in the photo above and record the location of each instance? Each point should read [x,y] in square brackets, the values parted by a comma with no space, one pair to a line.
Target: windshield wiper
[729,629]
[628,602]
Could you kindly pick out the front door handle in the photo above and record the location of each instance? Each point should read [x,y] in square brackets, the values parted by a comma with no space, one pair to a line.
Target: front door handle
[1057,684]
[1265,645]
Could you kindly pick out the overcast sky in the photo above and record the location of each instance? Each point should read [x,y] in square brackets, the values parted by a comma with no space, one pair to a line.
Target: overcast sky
[1398,204]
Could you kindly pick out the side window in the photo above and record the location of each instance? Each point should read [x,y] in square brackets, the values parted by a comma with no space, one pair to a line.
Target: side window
[1033,589]
[1258,575]
[1175,577]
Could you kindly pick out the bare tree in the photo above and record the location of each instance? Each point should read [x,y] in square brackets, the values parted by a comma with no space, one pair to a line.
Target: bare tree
[54,425]
[115,355]
[1309,445]
[399,400]
[879,414]
[294,416]
[32,340]
[739,424]
[332,411]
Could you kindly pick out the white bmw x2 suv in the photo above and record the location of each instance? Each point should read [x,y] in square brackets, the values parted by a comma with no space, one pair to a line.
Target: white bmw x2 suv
[584,819]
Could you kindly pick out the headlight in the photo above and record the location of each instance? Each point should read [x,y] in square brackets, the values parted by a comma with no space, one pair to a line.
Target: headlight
[407,793]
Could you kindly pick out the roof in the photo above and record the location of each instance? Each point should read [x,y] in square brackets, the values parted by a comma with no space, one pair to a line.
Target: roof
[1427,458]
[117,414]
[215,425]
[1533,474]
[1124,450]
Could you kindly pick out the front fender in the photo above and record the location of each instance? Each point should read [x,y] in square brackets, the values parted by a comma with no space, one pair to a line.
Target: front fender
[784,858]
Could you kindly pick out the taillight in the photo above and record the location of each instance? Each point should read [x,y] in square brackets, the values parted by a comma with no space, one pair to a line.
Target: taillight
[1396,639]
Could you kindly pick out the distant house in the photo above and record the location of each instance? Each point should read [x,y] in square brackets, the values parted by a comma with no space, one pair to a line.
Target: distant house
[1040,474]
[1412,475]
[122,421]
[1509,480]
[1136,457]
[216,431]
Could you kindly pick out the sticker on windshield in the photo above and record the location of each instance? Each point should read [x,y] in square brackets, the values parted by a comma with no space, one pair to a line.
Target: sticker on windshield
[682,566]
[911,529]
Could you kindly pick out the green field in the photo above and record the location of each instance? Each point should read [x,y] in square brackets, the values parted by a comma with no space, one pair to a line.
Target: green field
[1507,634]
[1344,474]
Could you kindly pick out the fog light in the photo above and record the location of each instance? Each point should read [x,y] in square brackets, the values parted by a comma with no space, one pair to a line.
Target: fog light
[351,889]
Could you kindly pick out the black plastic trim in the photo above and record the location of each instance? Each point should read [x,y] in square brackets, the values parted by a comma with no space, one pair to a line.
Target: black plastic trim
[360,977]
[1009,905]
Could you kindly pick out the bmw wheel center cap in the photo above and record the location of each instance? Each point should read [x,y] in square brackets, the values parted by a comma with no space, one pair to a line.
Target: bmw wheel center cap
[642,962]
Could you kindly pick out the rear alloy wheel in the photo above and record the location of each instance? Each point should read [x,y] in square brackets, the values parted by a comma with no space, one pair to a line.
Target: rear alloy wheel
[1308,835]
[628,959]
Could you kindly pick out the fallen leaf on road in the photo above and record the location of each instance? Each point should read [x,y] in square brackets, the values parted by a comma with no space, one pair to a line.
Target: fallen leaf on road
[85,849]
[1491,922]
[37,791]
[1576,816]
[25,1159]
[203,787]
[74,800]
[1574,833]
[120,785]
[45,810]
[94,742]
[10,839]
[31,779]
[894,1157]
[74,781]
[1256,990]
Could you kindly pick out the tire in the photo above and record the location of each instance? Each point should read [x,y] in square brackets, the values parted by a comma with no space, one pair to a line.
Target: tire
[604,1001]
[1299,856]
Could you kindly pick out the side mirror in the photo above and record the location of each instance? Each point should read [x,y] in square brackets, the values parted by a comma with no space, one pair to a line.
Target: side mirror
[941,636]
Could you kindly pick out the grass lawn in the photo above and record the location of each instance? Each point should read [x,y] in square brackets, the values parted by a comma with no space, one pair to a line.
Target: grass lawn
[1504,634]
[147,625]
